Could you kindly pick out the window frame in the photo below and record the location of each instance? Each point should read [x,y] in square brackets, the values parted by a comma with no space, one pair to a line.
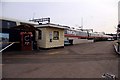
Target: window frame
[55,35]
[40,35]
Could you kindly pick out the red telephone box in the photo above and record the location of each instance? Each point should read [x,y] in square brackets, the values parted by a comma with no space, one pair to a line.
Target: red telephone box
[26,41]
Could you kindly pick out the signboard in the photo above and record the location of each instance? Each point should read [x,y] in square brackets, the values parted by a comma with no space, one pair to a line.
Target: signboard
[26,41]
[50,35]
[41,20]
[4,40]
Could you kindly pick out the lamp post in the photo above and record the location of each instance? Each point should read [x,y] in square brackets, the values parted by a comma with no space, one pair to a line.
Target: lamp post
[118,37]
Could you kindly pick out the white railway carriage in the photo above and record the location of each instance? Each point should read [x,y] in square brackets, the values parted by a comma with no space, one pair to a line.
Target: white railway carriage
[75,36]
[79,36]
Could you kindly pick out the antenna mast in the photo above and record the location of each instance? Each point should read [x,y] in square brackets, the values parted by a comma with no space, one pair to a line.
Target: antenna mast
[33,15]
[82,22]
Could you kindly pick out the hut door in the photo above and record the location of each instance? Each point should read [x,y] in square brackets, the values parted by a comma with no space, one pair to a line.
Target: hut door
[26,41]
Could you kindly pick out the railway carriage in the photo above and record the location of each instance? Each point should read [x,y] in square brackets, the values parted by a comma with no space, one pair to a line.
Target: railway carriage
[73,36]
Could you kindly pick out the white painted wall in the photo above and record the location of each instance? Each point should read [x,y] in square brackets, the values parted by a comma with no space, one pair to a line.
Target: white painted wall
[78,41]
[45,41]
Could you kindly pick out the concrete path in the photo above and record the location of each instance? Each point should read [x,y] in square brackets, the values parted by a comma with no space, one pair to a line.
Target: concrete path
[89,60]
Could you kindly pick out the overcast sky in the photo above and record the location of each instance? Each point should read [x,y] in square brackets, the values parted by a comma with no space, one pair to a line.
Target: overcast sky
[100,15]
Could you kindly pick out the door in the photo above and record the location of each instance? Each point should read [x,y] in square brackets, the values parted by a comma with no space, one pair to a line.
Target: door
[26,41]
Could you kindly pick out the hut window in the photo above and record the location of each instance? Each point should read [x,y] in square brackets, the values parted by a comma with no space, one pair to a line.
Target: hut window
[55,35]
[40,34]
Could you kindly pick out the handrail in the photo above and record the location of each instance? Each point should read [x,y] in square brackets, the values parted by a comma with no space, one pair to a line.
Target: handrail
[8,42]
[7,46]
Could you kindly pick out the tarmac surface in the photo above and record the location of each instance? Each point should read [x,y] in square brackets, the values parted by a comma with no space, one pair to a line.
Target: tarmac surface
[87,60]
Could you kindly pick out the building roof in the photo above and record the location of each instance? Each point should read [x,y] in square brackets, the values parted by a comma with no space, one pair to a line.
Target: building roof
[50,25]
[25,27]
[17,20]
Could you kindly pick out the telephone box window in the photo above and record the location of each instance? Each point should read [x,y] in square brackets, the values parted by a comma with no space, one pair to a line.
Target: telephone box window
[56,35]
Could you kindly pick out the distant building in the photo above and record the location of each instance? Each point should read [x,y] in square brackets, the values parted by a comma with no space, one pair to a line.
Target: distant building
[22,33]
[50,36]
[29,35]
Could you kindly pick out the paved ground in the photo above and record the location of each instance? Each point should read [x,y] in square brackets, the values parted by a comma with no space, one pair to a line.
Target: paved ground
[89,60]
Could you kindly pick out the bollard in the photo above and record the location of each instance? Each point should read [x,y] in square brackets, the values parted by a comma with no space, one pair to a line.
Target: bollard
[118,48]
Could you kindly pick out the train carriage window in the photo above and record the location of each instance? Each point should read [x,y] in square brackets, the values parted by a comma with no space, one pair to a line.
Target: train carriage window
[55,35]
[40,35]
[65,31]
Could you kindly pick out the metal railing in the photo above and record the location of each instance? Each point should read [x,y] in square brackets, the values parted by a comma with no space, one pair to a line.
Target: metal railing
[11,43]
